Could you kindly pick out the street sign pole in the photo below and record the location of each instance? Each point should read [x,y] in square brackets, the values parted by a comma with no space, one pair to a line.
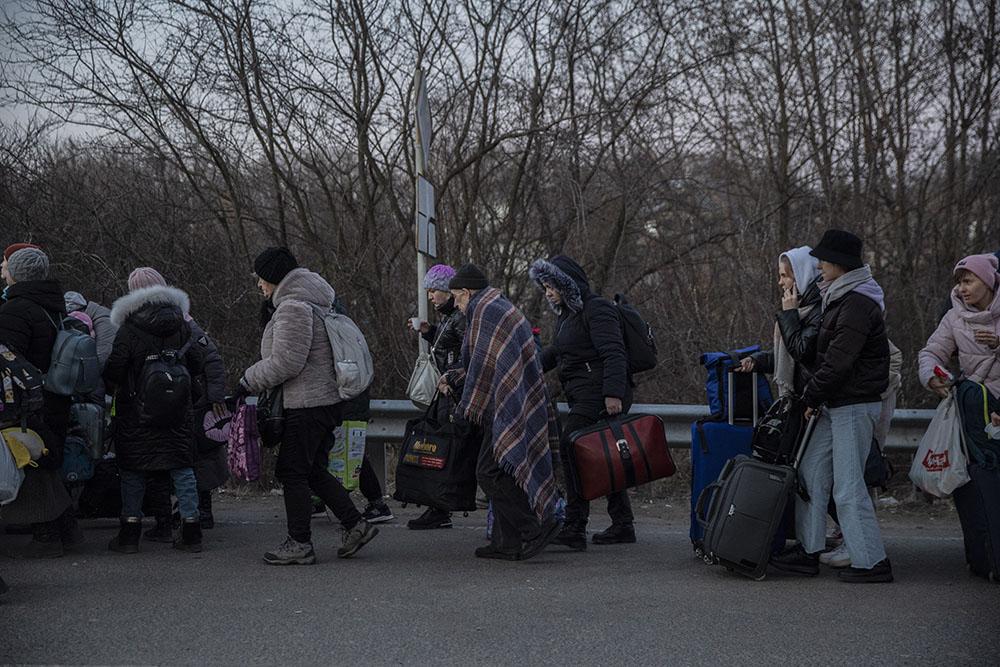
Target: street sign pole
[419,141]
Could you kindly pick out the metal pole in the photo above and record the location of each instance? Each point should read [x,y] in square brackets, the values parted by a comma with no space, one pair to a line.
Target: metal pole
[418,162]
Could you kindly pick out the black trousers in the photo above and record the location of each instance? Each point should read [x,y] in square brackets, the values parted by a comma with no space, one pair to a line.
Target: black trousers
[302,470]
[514,522]
[578,509]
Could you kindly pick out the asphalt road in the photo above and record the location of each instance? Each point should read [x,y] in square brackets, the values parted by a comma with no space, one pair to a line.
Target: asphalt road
[422,598]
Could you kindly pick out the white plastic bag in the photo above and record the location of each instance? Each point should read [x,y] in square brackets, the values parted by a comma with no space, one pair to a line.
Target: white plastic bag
[423,381]
[10,475]
[941,465]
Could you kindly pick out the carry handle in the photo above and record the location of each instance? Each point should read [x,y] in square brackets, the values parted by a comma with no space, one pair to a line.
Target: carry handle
[706,496]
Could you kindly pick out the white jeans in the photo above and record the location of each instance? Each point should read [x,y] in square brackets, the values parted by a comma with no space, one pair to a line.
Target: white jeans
[834,461]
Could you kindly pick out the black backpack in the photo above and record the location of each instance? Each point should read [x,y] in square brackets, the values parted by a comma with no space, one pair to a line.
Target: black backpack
[20,388]
[776,435]
[163,393]
[640,343]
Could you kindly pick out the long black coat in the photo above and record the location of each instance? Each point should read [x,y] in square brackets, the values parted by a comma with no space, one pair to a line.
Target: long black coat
[28,320]
[446,337]
[852,354]
[800,336]
[157,312]
[588,346]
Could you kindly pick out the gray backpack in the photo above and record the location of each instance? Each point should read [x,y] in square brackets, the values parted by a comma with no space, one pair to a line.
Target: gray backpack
[352,361]
[75,368]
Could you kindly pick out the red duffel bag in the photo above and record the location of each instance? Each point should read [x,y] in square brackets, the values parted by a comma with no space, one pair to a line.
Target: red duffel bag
[618,454]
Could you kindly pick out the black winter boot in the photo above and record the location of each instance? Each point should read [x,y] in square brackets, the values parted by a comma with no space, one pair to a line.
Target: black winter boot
[45,542]
[574,536]
[616,533]
[127,540]
[190,539]
[69,530]
[162,532]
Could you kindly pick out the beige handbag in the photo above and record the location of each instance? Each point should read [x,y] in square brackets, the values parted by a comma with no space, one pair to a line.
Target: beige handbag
[424,380]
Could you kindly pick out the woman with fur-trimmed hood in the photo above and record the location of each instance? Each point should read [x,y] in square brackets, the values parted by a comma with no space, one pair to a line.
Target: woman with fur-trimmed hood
[152,320]
[589,350]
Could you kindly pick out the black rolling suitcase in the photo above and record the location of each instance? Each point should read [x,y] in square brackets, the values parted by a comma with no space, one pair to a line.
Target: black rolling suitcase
[742,511]
[978,505]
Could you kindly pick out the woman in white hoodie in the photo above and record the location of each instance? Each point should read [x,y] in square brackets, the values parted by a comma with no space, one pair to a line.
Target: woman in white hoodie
[798,321]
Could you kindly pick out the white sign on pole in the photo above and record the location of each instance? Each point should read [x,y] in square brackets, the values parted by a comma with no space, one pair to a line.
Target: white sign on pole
[426,225]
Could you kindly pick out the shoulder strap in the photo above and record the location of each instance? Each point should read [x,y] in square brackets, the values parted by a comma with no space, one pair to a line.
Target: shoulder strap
[58,324]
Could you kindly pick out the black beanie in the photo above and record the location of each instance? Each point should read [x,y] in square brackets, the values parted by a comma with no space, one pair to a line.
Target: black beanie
[469,277]
[274,264]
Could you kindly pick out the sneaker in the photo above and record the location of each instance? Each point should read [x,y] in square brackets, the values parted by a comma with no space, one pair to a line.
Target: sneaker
[796,561]
[834,538]
[431,518]
[355,538]
[572,537]
[490,551]
[377,512]
[880,573]
[291,552]
[836,558]
[616,533]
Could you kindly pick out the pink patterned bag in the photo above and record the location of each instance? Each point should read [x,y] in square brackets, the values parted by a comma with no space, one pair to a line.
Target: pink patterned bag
[244,444]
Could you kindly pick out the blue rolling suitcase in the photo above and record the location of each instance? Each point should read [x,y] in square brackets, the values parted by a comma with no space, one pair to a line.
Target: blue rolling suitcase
[713,444]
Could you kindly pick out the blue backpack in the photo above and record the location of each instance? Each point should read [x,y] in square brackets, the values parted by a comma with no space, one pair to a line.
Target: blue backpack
[717,365]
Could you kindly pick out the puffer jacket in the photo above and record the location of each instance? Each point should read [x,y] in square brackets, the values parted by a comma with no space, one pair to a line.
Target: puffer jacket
[800,335]
[104,330]
[446,337]
[956,333]
[852,354]
[149,321]
[294,349]
[28,320]
[588,346]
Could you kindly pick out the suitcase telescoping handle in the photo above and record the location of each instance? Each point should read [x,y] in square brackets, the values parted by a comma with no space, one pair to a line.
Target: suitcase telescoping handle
[806,437]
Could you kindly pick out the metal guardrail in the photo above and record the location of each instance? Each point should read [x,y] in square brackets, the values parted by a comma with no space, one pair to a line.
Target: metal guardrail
[389,417]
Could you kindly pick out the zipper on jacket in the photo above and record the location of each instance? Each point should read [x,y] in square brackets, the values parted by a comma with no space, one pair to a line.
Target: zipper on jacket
[589,369]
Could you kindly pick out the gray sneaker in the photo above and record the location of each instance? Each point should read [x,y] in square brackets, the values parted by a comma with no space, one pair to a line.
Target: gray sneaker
[355,538]
[291,552]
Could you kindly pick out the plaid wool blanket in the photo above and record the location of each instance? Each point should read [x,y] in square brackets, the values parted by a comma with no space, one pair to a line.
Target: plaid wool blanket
[505,390]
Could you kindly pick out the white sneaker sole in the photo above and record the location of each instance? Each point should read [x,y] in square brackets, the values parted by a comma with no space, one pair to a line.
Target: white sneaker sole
[380,519]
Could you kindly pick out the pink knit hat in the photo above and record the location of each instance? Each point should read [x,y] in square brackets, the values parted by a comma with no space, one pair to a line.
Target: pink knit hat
[983,267]
[145,276]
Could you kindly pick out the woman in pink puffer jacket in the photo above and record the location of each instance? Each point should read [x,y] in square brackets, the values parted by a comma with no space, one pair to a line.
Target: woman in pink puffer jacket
[972,329]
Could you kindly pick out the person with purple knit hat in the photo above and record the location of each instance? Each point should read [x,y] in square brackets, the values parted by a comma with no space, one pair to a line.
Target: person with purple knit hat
[445,339]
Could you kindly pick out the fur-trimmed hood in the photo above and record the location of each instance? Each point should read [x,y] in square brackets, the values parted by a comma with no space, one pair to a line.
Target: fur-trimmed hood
[159,310]
[566,276]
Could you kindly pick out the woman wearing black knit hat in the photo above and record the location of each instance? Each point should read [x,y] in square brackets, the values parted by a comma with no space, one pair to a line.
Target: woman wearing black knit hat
[296,355]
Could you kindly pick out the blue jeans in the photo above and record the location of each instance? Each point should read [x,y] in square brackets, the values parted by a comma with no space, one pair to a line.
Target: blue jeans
[185,486]
[834,462]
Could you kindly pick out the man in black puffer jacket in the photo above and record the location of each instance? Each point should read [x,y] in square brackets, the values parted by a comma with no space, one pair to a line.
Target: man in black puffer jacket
[32,308]
[151,320]
[589,350]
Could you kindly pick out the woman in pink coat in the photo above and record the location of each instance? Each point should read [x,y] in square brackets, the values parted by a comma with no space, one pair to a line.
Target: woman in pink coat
[972,329]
